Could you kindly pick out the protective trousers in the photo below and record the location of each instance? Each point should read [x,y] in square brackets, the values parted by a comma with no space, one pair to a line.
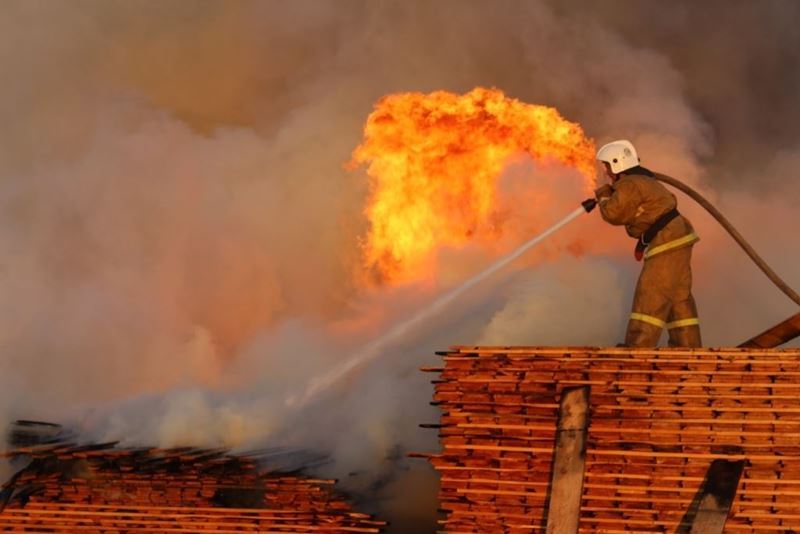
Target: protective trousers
[664,298]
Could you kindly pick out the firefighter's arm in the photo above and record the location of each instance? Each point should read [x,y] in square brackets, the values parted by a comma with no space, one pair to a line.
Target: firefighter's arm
[618,204]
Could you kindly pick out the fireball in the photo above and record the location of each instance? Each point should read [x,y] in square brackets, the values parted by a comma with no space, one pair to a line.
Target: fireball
[434,161]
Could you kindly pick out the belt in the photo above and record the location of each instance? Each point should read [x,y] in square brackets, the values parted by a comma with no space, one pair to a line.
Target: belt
[648,235]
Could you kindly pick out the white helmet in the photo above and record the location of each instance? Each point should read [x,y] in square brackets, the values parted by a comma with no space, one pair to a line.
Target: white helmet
[621,155]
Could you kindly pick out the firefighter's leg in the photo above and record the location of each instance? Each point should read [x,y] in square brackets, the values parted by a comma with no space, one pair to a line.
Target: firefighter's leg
[651,304]
[683,325]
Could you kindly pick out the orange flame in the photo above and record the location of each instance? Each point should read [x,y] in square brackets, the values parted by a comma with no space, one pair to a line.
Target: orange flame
[434,161]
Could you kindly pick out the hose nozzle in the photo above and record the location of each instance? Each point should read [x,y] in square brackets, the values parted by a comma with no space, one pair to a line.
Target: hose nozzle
[589,204]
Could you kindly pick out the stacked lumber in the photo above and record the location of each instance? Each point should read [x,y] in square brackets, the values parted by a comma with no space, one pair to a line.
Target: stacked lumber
[658,418]
[102,488]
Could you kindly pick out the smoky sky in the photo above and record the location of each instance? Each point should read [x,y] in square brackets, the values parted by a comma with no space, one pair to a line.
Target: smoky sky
[179,237]
[739,63]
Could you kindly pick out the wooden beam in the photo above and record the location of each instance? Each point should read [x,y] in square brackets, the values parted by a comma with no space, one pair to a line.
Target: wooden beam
[777,335]
[566,486]
[712,504]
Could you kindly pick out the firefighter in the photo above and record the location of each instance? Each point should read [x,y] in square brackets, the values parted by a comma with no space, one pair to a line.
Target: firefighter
[664,239]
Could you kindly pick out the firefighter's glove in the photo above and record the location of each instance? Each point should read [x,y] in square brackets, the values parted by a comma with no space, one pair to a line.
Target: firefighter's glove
[603,191]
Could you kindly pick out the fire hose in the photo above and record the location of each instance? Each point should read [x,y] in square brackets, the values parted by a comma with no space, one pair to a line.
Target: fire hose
[589,204]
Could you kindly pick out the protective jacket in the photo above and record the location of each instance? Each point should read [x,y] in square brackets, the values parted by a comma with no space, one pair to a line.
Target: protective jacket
[663,296]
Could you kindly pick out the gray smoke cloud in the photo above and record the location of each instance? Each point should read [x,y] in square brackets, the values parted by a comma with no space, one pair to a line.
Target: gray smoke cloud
[179,240]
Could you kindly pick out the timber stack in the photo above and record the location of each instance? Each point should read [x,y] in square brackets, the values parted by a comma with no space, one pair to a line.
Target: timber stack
[665,429]
[66,487]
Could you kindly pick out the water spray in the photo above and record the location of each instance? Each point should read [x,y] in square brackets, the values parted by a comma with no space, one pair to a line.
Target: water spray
[373,349]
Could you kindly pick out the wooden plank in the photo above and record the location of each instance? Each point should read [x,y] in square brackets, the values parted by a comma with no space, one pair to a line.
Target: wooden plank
[652,407]
[565,351]
[714,500]
[623,383]
[779,334]
[676,420]
[599,429]
[563,512]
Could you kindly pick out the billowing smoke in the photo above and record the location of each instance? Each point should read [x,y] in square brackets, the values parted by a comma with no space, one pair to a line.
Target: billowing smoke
[179,246]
